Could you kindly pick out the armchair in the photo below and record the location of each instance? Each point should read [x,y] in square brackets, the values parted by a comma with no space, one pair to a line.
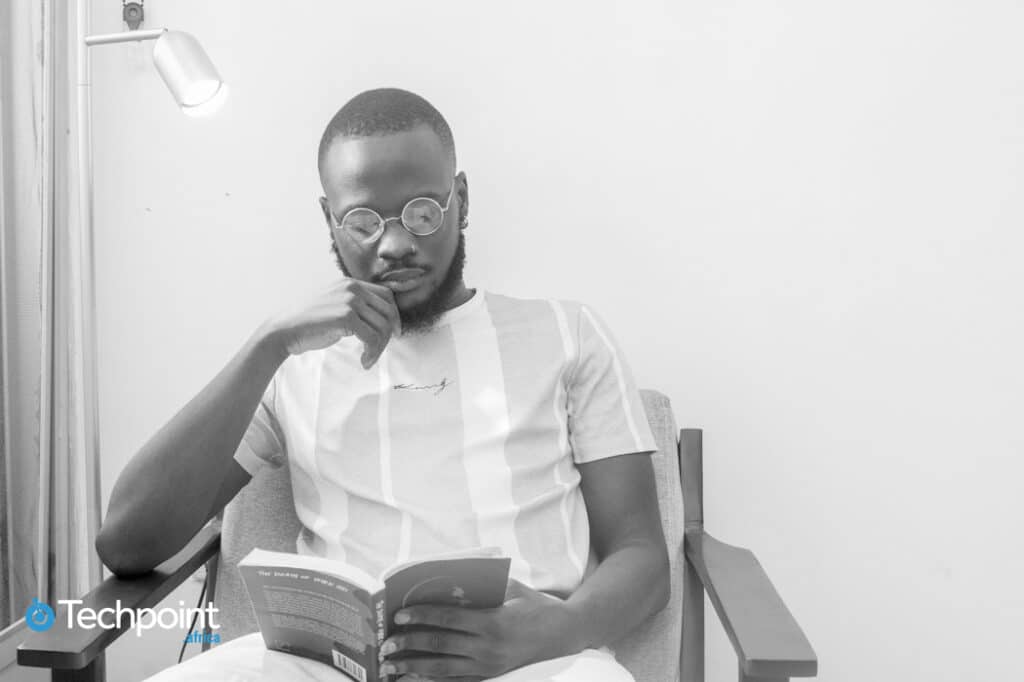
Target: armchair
[769,644]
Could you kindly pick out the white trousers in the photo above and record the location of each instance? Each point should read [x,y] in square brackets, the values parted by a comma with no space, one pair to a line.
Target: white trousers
[247,659]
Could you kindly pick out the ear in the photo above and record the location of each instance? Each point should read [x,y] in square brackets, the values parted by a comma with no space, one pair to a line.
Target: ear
[325,208]
[463,192]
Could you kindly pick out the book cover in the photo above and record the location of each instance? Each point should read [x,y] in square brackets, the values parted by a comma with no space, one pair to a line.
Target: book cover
[337,614]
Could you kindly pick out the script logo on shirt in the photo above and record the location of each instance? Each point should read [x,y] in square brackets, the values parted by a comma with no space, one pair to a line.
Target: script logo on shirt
[437,388]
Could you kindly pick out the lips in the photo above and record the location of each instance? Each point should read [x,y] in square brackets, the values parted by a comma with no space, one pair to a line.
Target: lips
[403,279]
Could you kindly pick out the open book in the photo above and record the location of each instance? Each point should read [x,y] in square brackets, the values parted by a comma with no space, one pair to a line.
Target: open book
[336,613]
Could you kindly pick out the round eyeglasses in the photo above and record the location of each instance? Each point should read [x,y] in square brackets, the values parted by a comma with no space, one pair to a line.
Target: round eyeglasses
[420,216]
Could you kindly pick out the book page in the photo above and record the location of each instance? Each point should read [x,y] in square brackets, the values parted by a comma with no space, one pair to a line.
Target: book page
[352,574]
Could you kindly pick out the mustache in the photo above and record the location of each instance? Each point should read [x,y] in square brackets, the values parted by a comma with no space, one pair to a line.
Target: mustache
[400,266]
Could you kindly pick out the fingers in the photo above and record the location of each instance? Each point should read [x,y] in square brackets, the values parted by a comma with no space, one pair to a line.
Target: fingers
[414,677]
[433,641]
[380,324]
[371,316]
[385,307]
[435,667]
[367,310]
[448,617]
[376,306]
[382,300]
[374,340]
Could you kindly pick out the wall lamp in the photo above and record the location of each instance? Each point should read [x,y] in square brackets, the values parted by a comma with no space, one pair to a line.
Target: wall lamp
[183,64]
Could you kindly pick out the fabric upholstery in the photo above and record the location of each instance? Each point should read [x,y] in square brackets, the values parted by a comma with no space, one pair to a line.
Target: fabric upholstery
[651,652]
[263,515]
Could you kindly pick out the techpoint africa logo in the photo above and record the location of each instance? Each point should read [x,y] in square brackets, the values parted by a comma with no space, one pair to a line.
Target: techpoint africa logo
[39,616]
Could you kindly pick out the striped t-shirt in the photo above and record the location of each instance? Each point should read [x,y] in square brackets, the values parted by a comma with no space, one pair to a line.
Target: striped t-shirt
[467,435]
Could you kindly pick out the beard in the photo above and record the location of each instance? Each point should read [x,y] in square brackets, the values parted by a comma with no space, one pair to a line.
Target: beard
[420,318]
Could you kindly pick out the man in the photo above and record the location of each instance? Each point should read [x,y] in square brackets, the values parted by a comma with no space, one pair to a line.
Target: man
[418,416]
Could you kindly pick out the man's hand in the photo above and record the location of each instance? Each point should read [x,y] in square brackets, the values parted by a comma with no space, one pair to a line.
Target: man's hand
[346,307]
[452,643]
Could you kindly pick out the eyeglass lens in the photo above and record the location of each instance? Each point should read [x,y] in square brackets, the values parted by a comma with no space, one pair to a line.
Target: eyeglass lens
[420,216]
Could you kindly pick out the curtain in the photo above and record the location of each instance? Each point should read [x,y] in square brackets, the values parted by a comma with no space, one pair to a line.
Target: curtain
[49,468]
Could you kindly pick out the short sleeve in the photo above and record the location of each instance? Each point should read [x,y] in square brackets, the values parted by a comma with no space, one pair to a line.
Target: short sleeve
[606,413]
[263,442]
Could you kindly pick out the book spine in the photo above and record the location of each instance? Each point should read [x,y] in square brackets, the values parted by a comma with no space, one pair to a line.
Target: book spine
[379,611]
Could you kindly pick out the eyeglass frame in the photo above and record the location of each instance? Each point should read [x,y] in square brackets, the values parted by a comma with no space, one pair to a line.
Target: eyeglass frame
[338,224]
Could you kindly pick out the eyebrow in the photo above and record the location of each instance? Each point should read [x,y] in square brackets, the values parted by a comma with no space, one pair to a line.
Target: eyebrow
[345,209]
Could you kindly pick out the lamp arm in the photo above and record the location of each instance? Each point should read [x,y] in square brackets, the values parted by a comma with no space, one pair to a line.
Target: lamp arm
[125,36]
[182,63]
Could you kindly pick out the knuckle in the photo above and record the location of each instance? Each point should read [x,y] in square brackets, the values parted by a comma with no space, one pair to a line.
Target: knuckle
[436,641]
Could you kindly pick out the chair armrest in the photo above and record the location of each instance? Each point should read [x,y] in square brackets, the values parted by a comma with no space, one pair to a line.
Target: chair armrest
[767,639]
[76,647]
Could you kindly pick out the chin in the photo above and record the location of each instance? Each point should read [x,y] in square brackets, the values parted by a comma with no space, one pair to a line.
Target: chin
[416,297]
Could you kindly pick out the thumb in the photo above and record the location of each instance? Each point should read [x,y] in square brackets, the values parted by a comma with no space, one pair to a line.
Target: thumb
[516,589]
[371,353]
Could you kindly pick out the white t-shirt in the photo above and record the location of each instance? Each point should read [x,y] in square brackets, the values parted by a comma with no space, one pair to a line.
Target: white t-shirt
[465,436]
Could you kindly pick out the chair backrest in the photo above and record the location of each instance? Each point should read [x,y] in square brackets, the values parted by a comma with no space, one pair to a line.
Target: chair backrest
[263,515]
[651,651]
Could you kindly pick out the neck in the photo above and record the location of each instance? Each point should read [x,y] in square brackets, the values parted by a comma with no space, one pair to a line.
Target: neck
[459,296]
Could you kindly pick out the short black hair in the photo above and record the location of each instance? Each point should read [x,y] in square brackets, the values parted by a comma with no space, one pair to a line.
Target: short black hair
[383,111]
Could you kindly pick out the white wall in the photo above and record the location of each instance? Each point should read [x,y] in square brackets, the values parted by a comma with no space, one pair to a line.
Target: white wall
[802,220]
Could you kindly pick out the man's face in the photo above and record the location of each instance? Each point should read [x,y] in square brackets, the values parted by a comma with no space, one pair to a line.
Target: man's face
[383,173]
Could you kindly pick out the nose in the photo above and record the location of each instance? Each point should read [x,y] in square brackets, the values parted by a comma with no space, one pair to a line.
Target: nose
[396,242]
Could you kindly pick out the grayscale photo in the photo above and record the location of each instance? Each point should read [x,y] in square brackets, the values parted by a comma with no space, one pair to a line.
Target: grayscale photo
[716,377]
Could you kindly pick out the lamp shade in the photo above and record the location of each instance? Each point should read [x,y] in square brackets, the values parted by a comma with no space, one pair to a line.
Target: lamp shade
[187,70]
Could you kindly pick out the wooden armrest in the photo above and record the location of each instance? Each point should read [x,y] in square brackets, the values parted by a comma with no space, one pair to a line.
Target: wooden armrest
[76,647]
[767,639]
